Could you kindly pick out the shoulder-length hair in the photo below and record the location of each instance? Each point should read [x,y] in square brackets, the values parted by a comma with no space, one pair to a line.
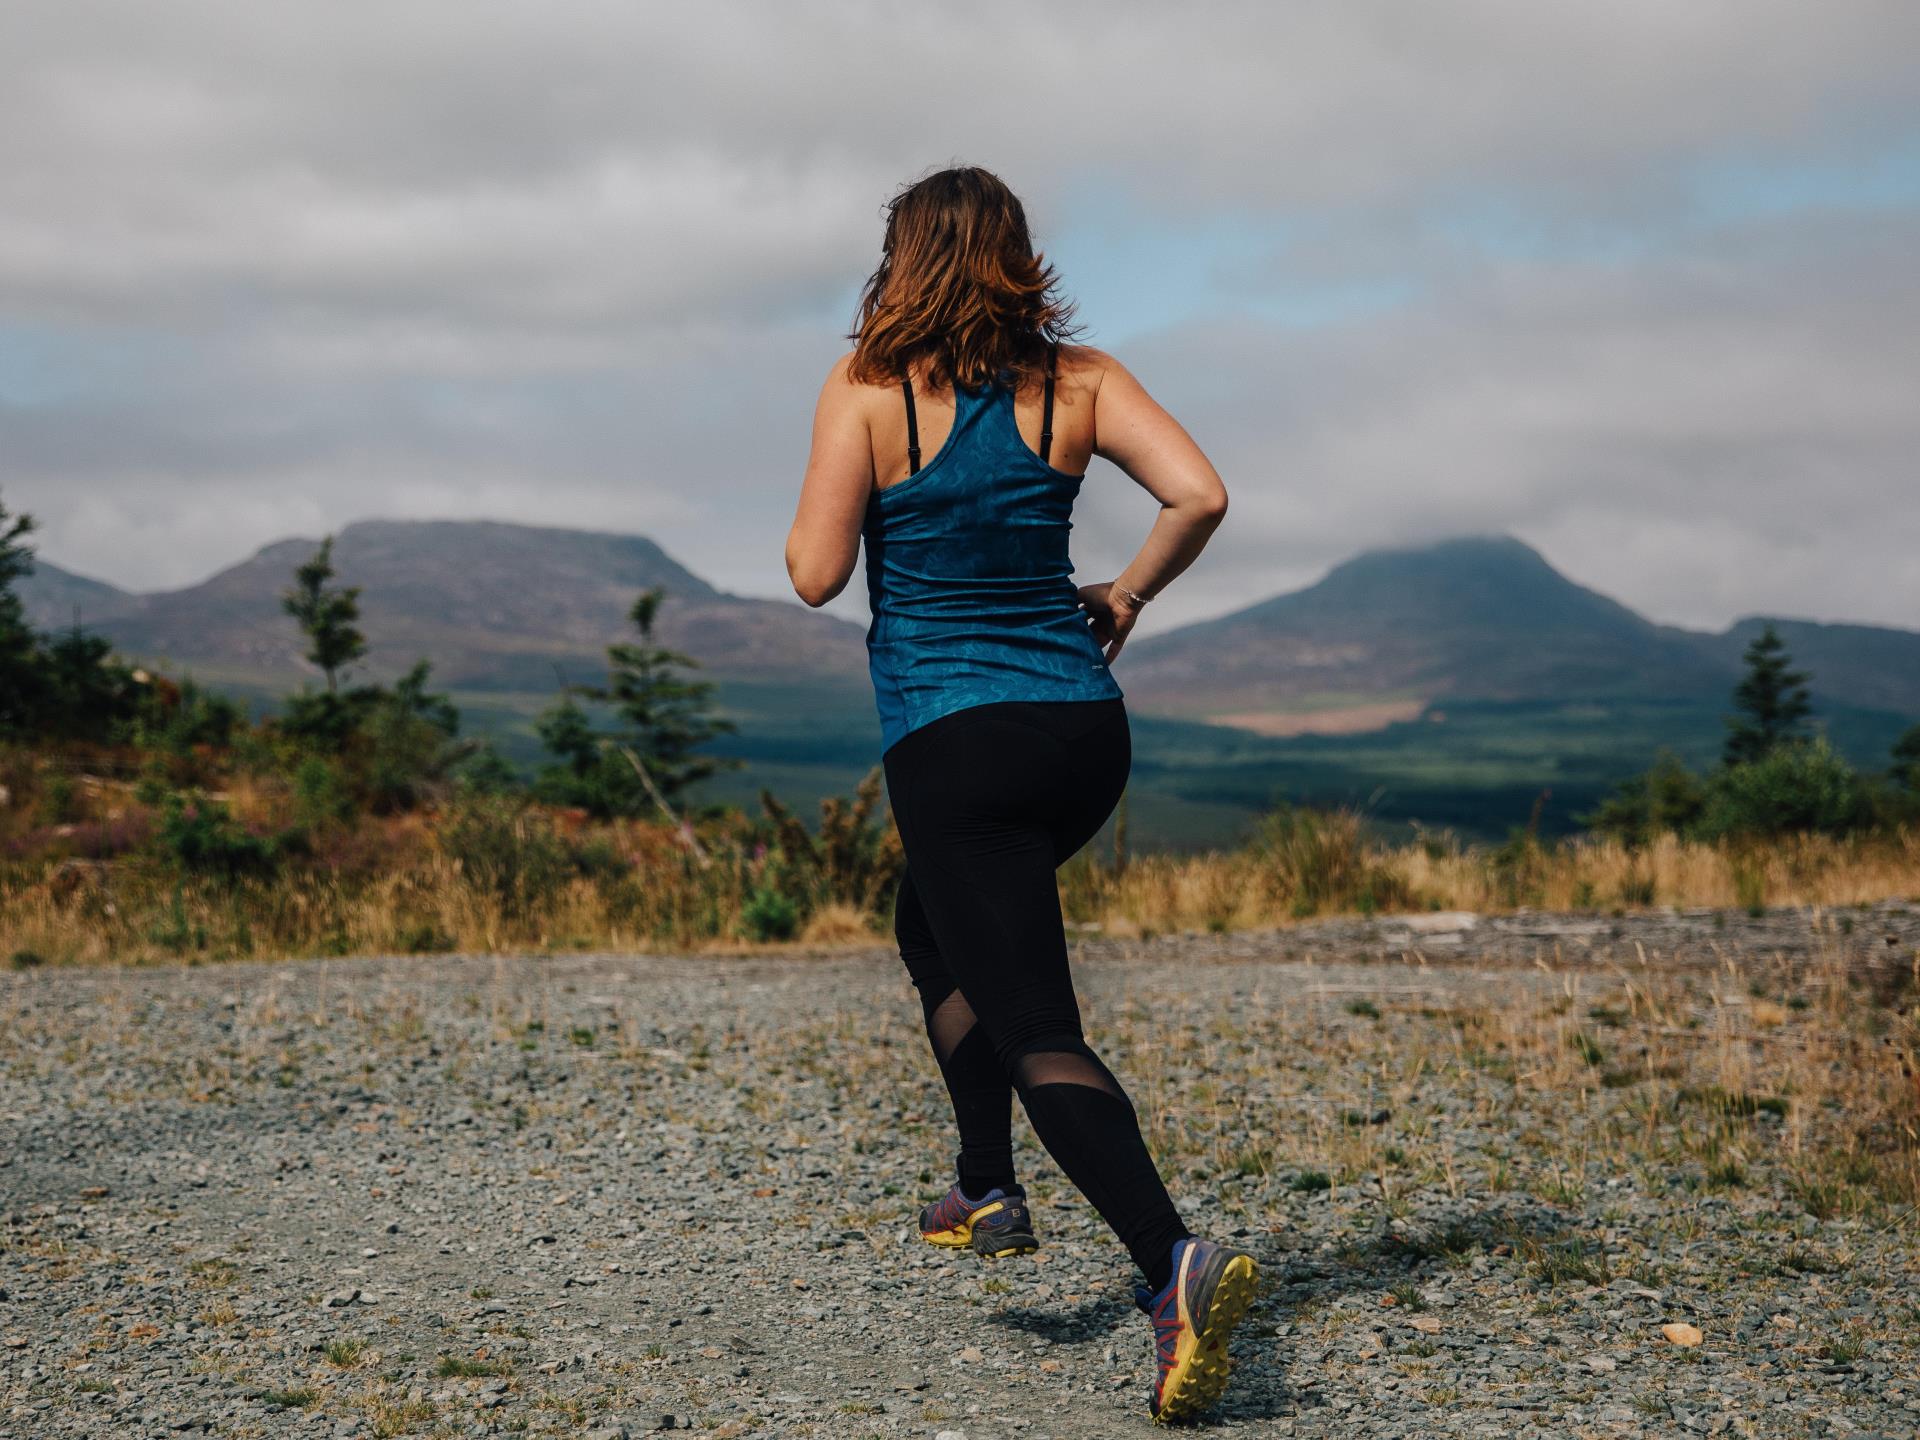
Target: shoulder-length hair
[959,286]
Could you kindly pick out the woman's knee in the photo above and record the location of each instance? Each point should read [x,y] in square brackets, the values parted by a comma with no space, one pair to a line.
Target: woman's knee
[1064,1060]
[1037,1035]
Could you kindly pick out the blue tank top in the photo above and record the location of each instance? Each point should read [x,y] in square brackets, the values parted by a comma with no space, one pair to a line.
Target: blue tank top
[968,577]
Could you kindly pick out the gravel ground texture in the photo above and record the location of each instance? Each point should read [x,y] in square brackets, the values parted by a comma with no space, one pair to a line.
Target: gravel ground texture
[1534,1175]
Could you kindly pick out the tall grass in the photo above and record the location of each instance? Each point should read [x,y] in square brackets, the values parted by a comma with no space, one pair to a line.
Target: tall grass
[493,874]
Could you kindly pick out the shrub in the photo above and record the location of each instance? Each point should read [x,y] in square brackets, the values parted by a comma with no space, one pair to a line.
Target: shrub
[1667,799]
[1795,788]
[1518,869]
[769,915]
[409,739]
[176,718]
[320,794]
[854,860]
[501,849]
[485,771]
[57,799]
[600,860]
[198,837]
[1321,861]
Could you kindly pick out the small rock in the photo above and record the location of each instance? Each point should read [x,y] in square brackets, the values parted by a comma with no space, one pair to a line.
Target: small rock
[1681,1333]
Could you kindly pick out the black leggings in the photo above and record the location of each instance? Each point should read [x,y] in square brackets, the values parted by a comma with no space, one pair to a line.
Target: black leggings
[990,801]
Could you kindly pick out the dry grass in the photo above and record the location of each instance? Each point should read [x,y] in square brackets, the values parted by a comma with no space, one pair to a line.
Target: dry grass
[1342,873]
[497,879]
[1589,874]
[1798,1081]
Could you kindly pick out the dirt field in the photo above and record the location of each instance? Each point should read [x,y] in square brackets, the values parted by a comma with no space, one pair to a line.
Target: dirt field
[1492,1169]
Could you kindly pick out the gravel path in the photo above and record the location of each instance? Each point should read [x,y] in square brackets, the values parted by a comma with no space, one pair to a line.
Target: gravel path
[607,1195]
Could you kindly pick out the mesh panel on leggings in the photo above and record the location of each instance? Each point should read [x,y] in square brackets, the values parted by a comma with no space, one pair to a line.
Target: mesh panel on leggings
[1066,1067]
[948,1025]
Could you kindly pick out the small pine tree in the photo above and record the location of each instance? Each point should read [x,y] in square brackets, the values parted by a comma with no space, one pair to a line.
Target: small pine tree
[410,742]
[589,775]
[1771,702]
[665,716]
[1906,760]
[326,615]
[19,646]
[85,694]
[568,735]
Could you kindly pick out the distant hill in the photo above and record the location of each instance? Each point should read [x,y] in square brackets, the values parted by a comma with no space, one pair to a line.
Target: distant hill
[1870,665]
[1391,632]
[1384,636]
[1458,685]
[494,606]
[55,599]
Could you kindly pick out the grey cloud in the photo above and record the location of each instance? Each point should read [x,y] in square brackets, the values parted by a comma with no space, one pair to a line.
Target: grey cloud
[1751,396]
[586,265]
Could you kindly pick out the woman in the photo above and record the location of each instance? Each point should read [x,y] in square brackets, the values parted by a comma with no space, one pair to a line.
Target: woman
[1005,737]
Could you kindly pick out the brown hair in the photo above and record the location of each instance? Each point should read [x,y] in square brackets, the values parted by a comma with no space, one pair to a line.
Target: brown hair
[959,285]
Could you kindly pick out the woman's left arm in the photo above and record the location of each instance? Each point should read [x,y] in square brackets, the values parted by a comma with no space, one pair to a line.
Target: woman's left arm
[825,540]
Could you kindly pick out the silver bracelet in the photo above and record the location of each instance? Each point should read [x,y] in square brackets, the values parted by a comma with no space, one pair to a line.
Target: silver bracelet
[1132,599]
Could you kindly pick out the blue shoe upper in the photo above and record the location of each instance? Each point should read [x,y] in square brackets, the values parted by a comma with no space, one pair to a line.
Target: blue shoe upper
[1150,1300]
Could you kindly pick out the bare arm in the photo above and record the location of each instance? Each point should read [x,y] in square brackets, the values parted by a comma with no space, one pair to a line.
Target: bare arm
[1135,433]
[824,542]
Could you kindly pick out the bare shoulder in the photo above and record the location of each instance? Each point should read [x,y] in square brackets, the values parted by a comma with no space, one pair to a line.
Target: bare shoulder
[1085,361]
[1100,374]
[1086,367]
[840,393]
[840,376]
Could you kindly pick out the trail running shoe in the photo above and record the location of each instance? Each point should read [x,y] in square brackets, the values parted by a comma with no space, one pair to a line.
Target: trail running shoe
[1212,1287]
[995,1225]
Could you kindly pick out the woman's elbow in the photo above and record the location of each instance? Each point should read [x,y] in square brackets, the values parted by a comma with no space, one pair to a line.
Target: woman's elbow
[810,588]
[1208,507]
[813,586]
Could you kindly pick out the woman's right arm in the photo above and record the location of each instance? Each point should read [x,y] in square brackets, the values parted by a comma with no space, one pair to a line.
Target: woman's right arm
[1132,431]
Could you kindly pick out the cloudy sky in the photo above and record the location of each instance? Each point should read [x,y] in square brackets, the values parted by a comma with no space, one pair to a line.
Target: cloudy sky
[1636,282]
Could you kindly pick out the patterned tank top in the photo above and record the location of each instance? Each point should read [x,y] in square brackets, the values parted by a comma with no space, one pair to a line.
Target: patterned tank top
[968,577]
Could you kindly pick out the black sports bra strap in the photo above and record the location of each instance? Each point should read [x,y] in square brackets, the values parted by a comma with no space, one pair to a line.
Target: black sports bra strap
[1046,410]
[913,427]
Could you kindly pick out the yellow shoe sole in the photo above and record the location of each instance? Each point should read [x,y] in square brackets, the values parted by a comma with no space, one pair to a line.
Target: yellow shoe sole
[959,1237]
[1009,1251]
[1198,1381]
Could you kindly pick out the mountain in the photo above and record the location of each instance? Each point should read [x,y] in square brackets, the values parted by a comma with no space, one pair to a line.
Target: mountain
[1391,633]
[1871,665]
[55,598]
[493,606]
[1459,685]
